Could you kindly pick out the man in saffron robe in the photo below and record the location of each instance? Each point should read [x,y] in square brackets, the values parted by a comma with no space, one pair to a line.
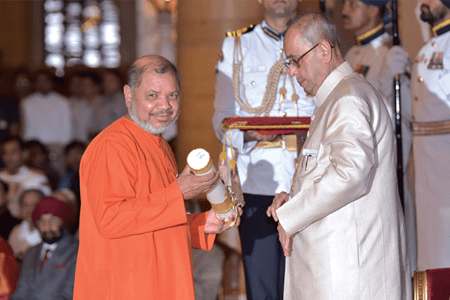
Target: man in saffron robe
[135,235]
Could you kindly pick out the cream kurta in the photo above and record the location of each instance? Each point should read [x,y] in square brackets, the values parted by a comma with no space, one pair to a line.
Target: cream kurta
[375,56]
[345,214]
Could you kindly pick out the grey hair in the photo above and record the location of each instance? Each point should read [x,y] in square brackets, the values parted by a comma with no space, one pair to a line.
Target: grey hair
[161,66]
[315,28]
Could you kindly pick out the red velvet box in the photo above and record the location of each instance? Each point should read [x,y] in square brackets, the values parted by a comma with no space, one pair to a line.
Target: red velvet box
[432,284]
[269,125]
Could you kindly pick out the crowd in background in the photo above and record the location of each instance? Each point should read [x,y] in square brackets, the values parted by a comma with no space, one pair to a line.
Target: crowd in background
[46,123]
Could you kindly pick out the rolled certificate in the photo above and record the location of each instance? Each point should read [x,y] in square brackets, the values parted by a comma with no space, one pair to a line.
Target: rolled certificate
[220,199]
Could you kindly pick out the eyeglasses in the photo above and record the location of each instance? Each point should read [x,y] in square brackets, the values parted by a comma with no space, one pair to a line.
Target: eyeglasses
[295,62]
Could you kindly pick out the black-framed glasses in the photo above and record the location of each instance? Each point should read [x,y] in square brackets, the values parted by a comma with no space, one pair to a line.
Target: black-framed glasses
[295,62]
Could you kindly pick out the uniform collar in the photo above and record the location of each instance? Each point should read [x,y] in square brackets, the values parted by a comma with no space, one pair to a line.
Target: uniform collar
[441,28]
[370,35]
[271,32]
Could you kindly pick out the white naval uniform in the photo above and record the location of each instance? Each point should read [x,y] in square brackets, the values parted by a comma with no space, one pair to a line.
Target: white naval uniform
[373,56]
[431,102]
[262,171]
[344,213]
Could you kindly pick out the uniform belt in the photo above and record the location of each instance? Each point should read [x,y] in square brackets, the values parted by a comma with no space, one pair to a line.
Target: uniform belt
[290,141]
[431,128]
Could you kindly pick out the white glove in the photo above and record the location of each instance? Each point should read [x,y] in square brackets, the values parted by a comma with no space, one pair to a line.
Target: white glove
[396,62]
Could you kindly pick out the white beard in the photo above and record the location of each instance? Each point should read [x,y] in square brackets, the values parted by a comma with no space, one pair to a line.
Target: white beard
[146,125]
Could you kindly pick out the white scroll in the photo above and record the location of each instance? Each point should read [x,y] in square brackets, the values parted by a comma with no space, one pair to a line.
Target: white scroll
[221,200]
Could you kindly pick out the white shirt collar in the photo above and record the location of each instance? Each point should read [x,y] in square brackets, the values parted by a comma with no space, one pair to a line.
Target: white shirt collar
[46,246]
[332,80]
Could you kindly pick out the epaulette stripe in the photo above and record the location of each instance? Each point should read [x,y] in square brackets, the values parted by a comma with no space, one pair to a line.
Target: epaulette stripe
[370,35]
[271,34]
[441,28]
[239,32]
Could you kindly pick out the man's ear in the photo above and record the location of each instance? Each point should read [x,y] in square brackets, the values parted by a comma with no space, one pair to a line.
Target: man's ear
[128,95]
[325,50]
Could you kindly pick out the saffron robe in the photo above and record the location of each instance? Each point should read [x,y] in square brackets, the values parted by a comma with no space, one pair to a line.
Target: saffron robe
[135,236]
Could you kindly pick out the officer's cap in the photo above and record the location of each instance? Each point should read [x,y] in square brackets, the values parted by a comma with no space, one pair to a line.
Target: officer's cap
[446,3]
[378,3]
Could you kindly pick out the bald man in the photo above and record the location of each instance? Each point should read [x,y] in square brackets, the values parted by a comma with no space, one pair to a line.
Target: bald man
[341,227]
[135,235]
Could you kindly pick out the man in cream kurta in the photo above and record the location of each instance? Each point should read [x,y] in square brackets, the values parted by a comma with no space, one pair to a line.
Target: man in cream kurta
[342,226]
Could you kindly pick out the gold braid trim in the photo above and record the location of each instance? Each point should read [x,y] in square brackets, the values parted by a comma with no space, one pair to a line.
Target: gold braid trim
[224,206]
[420,285]
[431,128]
[267,127]
[271,88]
[364,36]
[439,26]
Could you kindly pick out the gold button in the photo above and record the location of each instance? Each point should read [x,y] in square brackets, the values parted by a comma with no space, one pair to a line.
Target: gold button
[253,83]
[425,60]
[281,50]
[416,97]
[413,117]
[420,79]
[433,44]
[357,52]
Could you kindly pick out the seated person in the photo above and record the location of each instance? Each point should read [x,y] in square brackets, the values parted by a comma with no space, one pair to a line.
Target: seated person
[9,272]
[9,118]
[69,185]
[72,157]
[55,257]
[17,175]
[70,199]
[39,158]
[111,105]
[26,235]
[7,221]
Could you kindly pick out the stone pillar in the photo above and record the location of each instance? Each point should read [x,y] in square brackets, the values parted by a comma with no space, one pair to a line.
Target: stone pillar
[201,29]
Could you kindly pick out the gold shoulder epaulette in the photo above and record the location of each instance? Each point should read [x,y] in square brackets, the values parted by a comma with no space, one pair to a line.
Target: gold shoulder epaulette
[240,32]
